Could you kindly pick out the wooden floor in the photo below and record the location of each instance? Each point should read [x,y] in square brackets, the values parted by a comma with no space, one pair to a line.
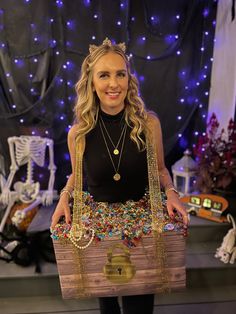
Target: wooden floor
[182,303]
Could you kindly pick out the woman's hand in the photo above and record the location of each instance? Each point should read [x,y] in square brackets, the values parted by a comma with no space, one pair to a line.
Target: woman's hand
[174,204]
[62,209]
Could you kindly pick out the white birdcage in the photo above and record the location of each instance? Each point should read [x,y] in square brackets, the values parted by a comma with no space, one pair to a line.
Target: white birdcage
[184,173]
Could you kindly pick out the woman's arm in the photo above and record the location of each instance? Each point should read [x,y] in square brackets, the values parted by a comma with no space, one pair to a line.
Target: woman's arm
[62,208]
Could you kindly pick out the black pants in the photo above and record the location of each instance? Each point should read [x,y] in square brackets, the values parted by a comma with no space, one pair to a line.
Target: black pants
[134,304]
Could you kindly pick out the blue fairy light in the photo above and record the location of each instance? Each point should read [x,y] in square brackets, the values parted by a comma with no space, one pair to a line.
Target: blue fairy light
[87,3]
[66,156]
[205,12]
[169,39]
[154,19]
[70,25]
[59,3]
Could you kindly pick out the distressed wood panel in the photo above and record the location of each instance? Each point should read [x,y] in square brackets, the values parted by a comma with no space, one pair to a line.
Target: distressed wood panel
[147,278]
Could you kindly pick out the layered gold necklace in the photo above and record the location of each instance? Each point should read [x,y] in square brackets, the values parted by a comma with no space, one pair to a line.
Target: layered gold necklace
[116,150]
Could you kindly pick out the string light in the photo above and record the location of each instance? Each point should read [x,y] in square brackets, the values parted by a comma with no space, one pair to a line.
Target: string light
[65,78]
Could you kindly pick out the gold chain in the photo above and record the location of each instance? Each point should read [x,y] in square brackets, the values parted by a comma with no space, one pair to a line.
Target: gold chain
[116,176]
[157,212]
[115,151]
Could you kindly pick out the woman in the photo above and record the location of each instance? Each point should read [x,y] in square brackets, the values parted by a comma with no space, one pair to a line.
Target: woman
[113,119]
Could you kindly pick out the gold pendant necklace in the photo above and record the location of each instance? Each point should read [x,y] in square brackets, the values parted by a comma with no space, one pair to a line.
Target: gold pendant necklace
[116,176]
[116,150]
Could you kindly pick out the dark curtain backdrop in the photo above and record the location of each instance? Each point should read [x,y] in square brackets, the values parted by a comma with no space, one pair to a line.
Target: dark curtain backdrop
[42,45]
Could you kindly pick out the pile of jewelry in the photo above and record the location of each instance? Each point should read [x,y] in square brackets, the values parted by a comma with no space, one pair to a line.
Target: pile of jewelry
[129,221]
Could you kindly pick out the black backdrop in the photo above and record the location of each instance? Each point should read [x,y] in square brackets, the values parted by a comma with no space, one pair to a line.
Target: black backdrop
[42,45]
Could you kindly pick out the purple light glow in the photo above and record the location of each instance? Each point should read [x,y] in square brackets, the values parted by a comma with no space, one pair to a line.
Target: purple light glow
[205,12]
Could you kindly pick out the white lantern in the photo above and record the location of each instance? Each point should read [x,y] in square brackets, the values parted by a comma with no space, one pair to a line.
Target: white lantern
[184,173]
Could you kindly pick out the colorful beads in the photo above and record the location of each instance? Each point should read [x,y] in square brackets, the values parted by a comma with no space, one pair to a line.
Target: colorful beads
[129,221]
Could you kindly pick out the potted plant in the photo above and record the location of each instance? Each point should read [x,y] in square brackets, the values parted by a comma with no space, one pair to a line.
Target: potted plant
[215,153]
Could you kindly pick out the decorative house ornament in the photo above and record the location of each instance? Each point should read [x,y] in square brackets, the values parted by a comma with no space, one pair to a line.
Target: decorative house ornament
[208,206]
[184,173]
[27,150]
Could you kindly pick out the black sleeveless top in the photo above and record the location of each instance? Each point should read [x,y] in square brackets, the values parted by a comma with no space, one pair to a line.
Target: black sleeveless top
[98,169]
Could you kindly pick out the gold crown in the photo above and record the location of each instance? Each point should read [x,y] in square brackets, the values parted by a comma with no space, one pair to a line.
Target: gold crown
[107,42]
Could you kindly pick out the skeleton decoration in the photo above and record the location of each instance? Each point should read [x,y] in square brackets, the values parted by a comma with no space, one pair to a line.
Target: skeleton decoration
[227,251]
[28,150]
[2,173]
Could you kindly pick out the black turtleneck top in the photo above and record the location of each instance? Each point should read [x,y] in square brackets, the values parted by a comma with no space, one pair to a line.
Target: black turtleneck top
[98,168]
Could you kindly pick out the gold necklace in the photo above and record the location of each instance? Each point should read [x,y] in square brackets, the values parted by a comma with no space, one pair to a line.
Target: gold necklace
[115,150]
[117,175]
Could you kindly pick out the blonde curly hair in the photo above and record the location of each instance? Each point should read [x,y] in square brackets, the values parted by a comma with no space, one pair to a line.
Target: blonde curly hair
[87,104]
